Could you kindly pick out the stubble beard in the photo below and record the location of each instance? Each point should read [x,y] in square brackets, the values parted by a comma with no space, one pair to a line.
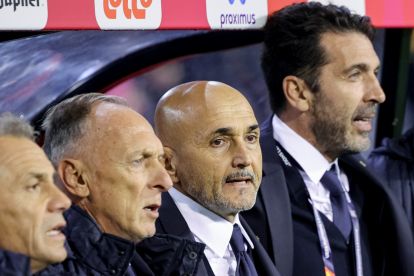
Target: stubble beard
[218,202]
[330,127]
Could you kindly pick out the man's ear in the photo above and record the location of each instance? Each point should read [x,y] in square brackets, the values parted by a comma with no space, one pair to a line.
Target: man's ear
[297,93]
[71,171]
[170,164]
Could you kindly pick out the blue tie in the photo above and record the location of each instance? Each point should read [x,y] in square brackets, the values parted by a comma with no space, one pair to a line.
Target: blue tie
[341,217]
[245,266]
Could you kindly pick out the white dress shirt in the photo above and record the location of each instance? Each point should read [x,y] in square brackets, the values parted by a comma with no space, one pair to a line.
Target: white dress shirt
[313,163]
[212,230]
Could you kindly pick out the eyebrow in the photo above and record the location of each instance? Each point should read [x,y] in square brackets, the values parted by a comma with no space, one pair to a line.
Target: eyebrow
[145,153]
[361,66]
[39,176]
[253,127]
[229,130]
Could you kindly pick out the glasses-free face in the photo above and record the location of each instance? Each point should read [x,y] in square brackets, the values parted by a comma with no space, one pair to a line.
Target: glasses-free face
[216,153]
[31,206]
[344,107]
[124,170]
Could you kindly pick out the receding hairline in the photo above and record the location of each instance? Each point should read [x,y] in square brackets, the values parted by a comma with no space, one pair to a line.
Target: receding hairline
[103,112]
[11,144]
[74,113]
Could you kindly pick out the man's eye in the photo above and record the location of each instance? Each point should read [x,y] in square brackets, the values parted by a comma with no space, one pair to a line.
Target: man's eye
[33,187]
[217,142]
[138,161]
[355,75]
[251,138]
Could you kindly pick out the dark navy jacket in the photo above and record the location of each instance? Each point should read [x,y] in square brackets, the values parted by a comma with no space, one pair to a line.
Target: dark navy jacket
[13,264]
[390,240]
[171,255]
[394,163]
[91,252]
[172,222]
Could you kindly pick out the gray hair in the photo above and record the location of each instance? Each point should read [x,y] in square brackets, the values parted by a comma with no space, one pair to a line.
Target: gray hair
[15,126]
[65,123]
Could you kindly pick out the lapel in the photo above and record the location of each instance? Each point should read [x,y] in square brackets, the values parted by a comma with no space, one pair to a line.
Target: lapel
[171,221]
[361,180]
[355,166]
[276,202]
[358,178]
[384,218]
[262,261]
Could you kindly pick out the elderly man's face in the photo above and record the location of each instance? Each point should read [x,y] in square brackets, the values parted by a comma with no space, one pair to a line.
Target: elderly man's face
[126,174]
[31,206]
[219,161]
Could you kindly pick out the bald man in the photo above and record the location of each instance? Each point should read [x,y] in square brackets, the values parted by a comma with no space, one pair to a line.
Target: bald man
[210,137]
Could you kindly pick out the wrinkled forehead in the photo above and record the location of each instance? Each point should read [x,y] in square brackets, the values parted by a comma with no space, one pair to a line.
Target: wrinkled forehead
[132,135]
[230,111]
[119,130]
[128,143]
[17,146]
[20,156]
[110,114]
[349,48]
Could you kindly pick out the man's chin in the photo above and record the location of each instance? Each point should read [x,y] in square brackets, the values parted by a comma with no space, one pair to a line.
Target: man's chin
[242,204]
[40,263]
[146,232]
[59,255]
[360,144]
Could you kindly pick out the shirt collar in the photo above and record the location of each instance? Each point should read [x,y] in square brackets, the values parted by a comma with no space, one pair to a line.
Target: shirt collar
[211,229]
[308,157]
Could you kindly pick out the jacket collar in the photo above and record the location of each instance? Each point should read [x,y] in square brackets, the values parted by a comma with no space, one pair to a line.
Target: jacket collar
[177,226]
[13,263]
[100,251]
[275,196]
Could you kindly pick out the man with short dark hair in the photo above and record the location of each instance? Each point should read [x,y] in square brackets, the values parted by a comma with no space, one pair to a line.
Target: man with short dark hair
[31,206]
[321,70]
[211,140]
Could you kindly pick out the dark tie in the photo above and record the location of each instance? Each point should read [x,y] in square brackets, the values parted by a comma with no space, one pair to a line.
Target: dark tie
[341,217]
[245,266]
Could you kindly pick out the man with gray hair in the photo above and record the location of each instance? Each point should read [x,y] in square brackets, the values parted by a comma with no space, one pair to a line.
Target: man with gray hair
[31,206]
[111,165]
[15,126]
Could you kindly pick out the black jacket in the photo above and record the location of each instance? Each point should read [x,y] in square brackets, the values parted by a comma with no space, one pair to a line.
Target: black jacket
[91,252]
[172,222]
[394,163]
[271,218]
[171,255]
[13,264]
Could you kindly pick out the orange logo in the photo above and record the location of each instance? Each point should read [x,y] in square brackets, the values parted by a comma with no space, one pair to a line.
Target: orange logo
[329,272]
[110,8]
